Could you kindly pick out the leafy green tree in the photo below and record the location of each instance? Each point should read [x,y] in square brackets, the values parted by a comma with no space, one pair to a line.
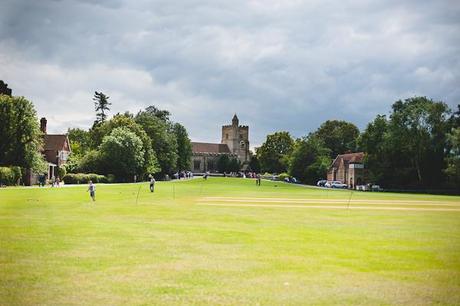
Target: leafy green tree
[375,142]
[223,163]
[163,139]
[408,150]
[309,160]
[453,159]
[127,121]
[338,136]
[254,163]
[21,140]
[80,141]
[234,165]
[101,105]
[273,154]
[160,114]
[123,151]
[418,128]
[91,162]
[184,147]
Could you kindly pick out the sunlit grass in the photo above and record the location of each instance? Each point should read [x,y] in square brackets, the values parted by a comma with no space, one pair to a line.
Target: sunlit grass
[137,248]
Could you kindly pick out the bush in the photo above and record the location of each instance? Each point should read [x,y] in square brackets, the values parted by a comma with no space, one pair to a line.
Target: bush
[10,175]
[84,178]
[111,178]
[62,171]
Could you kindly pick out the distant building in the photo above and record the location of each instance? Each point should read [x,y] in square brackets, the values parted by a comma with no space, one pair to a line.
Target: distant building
[348,169]
[234,144]
[56,149]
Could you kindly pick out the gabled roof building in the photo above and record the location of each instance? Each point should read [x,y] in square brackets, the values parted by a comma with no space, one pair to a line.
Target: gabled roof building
[348,168]
[56,149]
[234,143]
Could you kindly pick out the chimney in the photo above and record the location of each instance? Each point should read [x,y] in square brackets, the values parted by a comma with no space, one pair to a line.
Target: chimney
[43,125]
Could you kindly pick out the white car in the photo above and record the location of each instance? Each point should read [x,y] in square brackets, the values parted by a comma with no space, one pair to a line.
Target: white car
[338,184]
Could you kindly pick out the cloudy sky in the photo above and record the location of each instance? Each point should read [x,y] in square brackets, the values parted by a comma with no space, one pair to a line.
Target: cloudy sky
[278,64]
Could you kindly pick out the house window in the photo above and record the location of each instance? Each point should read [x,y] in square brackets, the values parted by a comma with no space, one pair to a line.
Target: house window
[196,164]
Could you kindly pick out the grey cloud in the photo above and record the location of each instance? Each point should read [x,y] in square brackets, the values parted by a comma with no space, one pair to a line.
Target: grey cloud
[279,64]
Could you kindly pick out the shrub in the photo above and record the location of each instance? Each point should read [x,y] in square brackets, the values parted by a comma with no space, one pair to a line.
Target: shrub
[84,178]
[10,175]
[111,178]
[62,171]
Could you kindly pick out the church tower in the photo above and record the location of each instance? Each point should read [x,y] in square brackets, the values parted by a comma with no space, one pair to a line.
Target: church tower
[236,137]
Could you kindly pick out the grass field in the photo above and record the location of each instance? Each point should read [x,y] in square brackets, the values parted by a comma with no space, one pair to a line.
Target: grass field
[227,242]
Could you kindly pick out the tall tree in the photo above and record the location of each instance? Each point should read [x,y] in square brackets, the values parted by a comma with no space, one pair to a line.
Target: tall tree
[374,141]
[80,141]
[273,154]
[338,136]
[163,139]
[20,141]
[160,114]
[123,150]
[418,126]
[223,163]
[184,147]
[408,150]
[309,160]
[127,121]
[453,158]
[101,105]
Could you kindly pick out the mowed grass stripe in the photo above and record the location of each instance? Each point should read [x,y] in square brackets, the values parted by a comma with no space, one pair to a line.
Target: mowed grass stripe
[331,207]
[326,201]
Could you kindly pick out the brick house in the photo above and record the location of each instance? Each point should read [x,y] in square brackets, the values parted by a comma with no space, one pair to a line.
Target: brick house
[348,169]
[56,149]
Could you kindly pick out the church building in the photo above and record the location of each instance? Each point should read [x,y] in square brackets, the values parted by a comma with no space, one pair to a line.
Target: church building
[234,144]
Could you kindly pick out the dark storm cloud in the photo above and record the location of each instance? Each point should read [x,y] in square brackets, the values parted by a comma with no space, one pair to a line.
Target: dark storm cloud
[279,64]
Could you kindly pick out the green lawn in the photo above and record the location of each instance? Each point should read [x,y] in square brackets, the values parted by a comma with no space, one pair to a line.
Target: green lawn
[227,242]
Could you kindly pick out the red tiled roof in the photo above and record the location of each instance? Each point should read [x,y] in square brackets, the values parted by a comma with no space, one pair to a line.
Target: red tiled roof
[55,142]
[204,147]
[348,158]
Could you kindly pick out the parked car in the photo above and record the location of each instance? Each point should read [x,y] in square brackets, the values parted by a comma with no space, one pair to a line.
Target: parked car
[338,184]
[362,188]
[321,183]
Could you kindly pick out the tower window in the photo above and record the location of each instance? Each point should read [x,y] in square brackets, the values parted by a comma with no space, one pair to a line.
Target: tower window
[226,136]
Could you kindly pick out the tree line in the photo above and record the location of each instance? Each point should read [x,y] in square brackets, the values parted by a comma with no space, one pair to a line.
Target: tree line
[123,146]
[129,145]
[416,146]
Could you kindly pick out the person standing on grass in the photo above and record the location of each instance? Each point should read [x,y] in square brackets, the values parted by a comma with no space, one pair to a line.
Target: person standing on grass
[258,180]
[92,190]
[152,183]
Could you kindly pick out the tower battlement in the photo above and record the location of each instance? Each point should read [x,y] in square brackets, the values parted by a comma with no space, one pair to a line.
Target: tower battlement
[236,137]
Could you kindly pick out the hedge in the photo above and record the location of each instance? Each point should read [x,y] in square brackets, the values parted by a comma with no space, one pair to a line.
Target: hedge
[10,175]
[84,178]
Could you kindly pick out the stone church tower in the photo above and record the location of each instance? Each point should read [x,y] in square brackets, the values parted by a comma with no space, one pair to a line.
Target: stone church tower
[236,137]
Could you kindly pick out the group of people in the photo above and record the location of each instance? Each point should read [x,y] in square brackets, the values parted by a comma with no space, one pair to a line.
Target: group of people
[55,181]
[183,175]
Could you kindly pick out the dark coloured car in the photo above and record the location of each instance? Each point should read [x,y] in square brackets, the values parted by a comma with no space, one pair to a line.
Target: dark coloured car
[321,183]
